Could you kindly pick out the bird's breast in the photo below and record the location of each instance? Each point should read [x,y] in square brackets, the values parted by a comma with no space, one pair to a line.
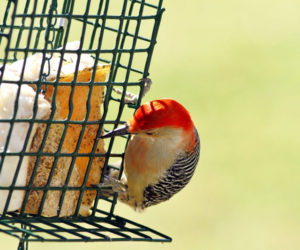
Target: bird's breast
[148,156]
[146,161]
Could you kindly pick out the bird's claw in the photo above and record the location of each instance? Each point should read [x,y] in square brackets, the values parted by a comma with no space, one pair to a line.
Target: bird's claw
[147,84]
[116,185]
[131,98]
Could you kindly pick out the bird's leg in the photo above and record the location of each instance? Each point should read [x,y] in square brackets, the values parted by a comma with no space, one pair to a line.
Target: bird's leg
[116,185]
[132,98]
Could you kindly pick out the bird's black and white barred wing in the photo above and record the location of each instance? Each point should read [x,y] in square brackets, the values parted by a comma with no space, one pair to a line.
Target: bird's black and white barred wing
[175,178]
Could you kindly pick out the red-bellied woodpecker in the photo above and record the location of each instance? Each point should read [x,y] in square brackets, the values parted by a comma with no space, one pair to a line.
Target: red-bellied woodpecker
[161,156]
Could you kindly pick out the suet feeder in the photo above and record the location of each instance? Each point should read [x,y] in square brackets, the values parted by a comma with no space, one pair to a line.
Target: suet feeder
[59,57]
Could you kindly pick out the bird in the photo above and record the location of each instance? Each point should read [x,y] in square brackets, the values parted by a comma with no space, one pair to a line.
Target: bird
[161,155]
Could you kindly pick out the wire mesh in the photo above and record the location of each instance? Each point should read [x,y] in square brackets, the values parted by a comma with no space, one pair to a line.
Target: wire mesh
[102,227]
[121,33]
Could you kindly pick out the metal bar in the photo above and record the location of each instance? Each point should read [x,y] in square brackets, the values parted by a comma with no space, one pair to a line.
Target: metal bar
[21,230]
[48,41]
[85,179]
[108,83]
[9,233]
[44,188]
[115,30]
[3,69]
[96,26]
[37,38]
[41,28]
[81,236]
[147,4]
[24,222]
[100,127]
[106,228]
[109,89]
[71,111]
[16,107]
[75,51]
[56,122]
[122,104]
[91,231]
[76,16]
[4,22]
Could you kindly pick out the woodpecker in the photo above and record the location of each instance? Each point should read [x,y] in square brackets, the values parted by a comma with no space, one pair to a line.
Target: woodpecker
[161,155]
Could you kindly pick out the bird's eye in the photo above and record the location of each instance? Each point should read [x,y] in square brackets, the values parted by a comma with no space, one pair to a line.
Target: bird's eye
[149,133]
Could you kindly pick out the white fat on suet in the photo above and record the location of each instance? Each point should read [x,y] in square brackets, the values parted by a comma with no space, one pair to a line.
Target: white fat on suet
[8,95]
[33,64]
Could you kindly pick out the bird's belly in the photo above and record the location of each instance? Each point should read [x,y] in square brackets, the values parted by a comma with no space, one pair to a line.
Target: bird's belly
[145,164]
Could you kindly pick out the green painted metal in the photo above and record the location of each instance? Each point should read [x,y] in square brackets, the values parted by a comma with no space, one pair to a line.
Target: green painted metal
[41,26]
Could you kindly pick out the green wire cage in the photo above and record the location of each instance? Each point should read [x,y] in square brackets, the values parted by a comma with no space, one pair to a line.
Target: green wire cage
[121,33]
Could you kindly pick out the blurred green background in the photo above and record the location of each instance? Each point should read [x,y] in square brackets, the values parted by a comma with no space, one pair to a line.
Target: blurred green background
[235,65]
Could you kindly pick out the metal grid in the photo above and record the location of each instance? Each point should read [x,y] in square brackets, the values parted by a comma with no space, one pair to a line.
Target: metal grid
[119,32]
[102,227]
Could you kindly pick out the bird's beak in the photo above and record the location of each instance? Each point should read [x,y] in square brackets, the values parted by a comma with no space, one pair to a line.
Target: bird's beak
[123,130]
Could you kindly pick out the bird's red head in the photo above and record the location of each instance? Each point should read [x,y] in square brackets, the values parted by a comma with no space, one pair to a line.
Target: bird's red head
[160,113]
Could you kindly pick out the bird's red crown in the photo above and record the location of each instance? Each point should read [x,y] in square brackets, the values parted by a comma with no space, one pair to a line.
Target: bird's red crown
[161,113]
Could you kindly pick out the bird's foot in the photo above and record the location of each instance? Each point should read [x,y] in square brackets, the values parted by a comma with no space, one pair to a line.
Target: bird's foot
[116,185]
[147,84]
[132,98]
